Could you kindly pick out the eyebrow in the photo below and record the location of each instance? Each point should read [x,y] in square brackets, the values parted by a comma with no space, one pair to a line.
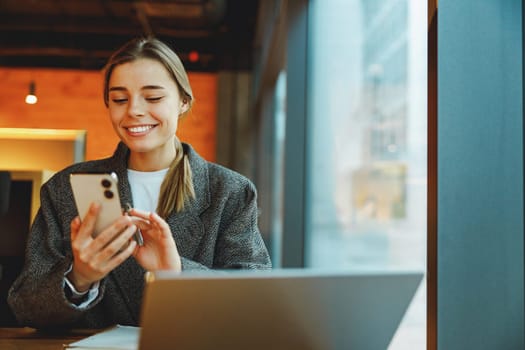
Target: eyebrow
[146,87]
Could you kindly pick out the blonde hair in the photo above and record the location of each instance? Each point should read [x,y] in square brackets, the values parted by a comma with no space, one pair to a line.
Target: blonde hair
[177,186]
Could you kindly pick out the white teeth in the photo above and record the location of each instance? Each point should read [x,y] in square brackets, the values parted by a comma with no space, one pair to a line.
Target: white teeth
[143,128]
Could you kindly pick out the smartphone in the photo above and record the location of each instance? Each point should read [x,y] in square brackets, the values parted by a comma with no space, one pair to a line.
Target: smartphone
[101,188]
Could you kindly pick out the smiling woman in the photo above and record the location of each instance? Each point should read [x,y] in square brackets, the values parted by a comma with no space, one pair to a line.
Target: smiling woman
[193,214]
[146,90]
[145,115]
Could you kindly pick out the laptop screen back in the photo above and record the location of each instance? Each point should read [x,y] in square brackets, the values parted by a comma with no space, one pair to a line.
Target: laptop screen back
[276,309]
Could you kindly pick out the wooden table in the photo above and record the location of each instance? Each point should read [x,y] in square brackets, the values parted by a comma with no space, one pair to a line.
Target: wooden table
[32,339]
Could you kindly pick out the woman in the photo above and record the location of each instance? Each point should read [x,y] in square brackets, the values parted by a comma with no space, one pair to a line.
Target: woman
[192,214]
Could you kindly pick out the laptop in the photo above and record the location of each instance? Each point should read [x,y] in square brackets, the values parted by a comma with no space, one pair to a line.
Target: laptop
[275,309]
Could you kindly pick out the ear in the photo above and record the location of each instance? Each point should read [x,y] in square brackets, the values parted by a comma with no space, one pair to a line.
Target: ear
[184,106]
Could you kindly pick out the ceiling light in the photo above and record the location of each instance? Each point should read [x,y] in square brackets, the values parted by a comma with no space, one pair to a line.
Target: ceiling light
[31,98]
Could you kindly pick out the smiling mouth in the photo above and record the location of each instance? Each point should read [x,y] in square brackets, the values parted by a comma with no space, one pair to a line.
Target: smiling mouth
[140,129]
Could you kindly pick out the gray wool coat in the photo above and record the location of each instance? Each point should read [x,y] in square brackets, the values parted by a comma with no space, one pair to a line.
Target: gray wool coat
[217,230]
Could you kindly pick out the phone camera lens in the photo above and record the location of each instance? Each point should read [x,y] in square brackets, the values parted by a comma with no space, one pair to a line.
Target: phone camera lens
[106,183]
[108,194]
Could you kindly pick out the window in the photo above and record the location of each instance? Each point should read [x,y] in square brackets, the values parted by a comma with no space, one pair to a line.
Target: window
[366,161]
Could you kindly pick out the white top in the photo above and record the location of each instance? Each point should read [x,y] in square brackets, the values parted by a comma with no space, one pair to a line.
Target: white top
[145,188]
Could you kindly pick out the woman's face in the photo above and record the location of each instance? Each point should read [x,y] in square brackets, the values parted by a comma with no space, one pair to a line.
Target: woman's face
[144,107]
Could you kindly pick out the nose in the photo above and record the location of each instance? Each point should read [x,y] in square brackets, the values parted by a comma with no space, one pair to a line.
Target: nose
[136,107]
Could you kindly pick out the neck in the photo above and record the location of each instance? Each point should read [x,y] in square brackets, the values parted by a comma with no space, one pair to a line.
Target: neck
[151,161]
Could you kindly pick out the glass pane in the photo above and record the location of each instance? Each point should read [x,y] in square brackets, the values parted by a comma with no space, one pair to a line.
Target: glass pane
[367,142]
[271,167]
[279,129]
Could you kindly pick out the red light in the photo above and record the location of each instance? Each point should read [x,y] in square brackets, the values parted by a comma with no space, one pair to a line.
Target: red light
[193,56]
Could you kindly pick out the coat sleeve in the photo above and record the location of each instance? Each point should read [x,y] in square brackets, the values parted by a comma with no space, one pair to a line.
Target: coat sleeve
[239,243]
[232,239]
[37,296]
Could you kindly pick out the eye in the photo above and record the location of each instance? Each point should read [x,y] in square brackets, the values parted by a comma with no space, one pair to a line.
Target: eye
[119,100]
[154,99]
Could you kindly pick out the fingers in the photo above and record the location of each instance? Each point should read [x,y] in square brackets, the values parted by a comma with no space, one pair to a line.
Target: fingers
[116,251]
[140,213]
[123,255]
[95,257]
[88,222]
[94,264]
[75,226]
[151,220]
[151,217]
[99,268]
[112,232]
[86,248]
[159,222]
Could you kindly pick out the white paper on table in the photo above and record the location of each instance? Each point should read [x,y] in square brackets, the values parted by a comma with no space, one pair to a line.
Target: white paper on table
[116,338]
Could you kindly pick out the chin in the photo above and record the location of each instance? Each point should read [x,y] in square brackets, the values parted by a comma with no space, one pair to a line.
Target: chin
[135,146]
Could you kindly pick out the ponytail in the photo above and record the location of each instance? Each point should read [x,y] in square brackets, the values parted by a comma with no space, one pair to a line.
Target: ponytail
[177,186]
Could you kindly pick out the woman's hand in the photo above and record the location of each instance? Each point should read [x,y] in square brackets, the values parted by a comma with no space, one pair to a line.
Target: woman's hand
[94,258]
[159,251]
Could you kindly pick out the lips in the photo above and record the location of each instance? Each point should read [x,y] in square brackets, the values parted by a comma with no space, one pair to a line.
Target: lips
[139,129]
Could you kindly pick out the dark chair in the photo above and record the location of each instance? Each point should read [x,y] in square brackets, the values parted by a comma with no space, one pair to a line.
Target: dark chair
[5,186]
[10,266]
